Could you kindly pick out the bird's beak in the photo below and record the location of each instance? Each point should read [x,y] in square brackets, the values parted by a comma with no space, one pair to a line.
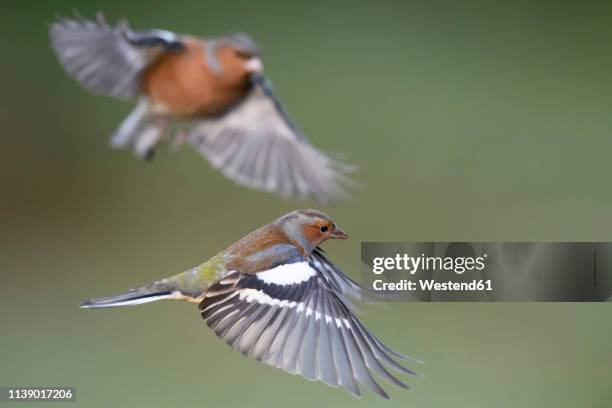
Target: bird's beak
[337,233]
[254,65]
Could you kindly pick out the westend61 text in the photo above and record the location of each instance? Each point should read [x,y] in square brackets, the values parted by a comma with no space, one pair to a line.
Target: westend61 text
[432,285]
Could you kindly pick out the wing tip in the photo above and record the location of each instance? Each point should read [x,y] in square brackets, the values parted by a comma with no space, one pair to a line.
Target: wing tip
[294,167]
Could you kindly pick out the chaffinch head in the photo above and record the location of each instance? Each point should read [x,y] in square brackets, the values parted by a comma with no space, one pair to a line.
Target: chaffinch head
[215,85]
[274,296]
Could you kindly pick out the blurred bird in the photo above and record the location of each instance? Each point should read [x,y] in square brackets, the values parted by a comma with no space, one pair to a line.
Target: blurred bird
[210,92]
[274,296]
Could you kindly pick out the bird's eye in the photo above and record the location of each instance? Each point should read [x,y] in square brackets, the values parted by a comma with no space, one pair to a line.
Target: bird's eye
[324,228]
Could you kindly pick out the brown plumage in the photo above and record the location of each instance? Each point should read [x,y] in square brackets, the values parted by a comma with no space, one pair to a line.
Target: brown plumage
[291,233]
[212,89]
[182,84]
[245,255]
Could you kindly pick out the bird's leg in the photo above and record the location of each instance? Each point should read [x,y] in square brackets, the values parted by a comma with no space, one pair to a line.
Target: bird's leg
[180,138]
[149,155]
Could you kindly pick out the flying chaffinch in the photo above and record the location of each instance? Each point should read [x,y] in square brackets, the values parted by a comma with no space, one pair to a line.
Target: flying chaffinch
[211,91]
[274,296]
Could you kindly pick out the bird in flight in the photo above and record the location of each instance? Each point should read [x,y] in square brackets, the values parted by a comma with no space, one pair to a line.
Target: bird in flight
[274,296]
[207,92]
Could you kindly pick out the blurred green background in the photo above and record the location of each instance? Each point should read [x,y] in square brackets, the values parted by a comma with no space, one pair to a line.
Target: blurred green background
[469,120]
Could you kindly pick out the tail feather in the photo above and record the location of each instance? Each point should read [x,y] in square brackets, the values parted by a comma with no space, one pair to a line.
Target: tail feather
[188,286]
[133,297]
[131,126]
[140,130]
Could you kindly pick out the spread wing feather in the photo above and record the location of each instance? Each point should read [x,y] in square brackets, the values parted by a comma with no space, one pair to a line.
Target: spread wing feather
[348,288]
[108,60]
[300,325]
[257,145]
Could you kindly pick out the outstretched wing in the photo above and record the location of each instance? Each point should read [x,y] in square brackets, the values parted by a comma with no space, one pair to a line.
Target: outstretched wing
[108,60]
[340,281]
[257,145]
[290,317]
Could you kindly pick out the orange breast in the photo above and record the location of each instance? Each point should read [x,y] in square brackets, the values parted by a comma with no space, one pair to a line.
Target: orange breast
[183,84]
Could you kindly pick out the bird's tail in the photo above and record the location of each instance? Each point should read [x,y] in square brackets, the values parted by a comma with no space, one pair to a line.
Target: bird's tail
[189,286]
[140,130]
[145,294]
